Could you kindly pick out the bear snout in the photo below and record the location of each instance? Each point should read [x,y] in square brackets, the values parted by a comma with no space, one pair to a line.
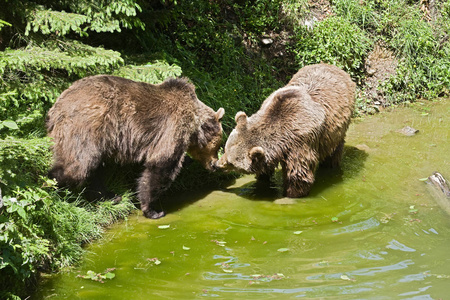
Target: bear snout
[213,165]
[223,164]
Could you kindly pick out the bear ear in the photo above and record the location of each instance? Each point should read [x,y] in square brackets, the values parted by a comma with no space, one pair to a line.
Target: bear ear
[219,114]
[279,103]
[256,152]
[241,120]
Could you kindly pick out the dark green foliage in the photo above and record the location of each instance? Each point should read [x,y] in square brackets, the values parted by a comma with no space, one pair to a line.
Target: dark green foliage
[42,228]
[48,49]
[41,231]
[23,162]
[212,41]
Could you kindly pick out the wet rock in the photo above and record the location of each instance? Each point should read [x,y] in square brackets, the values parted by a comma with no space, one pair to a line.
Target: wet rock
[284,201]
[408,131]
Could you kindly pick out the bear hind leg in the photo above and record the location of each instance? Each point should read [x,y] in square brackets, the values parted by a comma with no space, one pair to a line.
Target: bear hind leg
[97,190]
[298,178]
[294,187]
[75,172]
[334,160]
[67,176]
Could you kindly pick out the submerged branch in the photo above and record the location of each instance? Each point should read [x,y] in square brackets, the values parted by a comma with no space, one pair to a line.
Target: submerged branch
[439,181]
[441,191]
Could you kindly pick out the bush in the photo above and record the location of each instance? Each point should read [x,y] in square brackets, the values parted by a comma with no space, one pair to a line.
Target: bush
[335,41]
[22,162]
[43,229]
[424,68]
[362,14]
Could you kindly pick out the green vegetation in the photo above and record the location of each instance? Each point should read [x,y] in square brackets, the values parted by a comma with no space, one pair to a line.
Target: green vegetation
[45,45]
[337,41]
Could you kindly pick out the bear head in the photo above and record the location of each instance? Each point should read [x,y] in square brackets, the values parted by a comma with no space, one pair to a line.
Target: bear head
[242,151]
[205,146]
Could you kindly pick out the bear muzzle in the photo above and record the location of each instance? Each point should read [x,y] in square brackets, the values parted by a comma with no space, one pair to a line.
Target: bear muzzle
[224,165]
[213,165]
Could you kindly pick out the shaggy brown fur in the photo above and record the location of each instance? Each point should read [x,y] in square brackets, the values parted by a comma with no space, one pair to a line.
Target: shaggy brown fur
[111,118]
[299,125]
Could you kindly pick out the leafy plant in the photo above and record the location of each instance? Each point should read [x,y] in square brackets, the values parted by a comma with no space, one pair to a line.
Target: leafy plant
[8,124]
[23,162]
[39,230]
[152,72]
[336,41]
[44,57]
[99,277]
[361,13]
[424,68]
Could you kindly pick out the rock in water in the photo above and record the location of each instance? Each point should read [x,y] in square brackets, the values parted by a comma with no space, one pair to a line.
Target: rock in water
[408,131]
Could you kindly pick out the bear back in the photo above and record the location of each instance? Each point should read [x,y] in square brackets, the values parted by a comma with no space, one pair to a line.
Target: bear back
[127,120]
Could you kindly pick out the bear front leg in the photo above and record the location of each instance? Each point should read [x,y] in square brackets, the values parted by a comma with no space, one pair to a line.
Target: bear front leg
[151,184]
[264,177]
[298,176]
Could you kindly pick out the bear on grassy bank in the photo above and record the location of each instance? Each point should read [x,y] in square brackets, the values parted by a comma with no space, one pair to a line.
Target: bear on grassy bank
[107,118]
[298,126]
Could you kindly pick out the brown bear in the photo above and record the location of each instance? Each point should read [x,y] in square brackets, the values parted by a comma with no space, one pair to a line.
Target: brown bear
[298,126]
[110,118]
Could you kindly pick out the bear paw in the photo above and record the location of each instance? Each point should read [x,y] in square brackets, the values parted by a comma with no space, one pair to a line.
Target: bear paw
[153,214]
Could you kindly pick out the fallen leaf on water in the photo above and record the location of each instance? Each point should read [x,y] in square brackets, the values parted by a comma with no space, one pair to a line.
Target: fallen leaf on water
[154,260]
[413,209]
[298,232]
[186,248]
[221,243]
[345,277]
[283,249]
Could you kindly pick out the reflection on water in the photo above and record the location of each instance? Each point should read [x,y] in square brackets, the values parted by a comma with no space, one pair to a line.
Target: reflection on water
[371,230]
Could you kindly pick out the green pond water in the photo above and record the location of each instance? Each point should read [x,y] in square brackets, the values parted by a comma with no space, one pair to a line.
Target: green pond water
[372,230]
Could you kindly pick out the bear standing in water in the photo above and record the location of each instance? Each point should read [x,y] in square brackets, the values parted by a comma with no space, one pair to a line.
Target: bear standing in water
[111,118]
[299,126]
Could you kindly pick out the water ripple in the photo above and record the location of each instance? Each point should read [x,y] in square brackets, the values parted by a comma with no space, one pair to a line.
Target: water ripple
[363,272]
[396,245]
[363,225]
